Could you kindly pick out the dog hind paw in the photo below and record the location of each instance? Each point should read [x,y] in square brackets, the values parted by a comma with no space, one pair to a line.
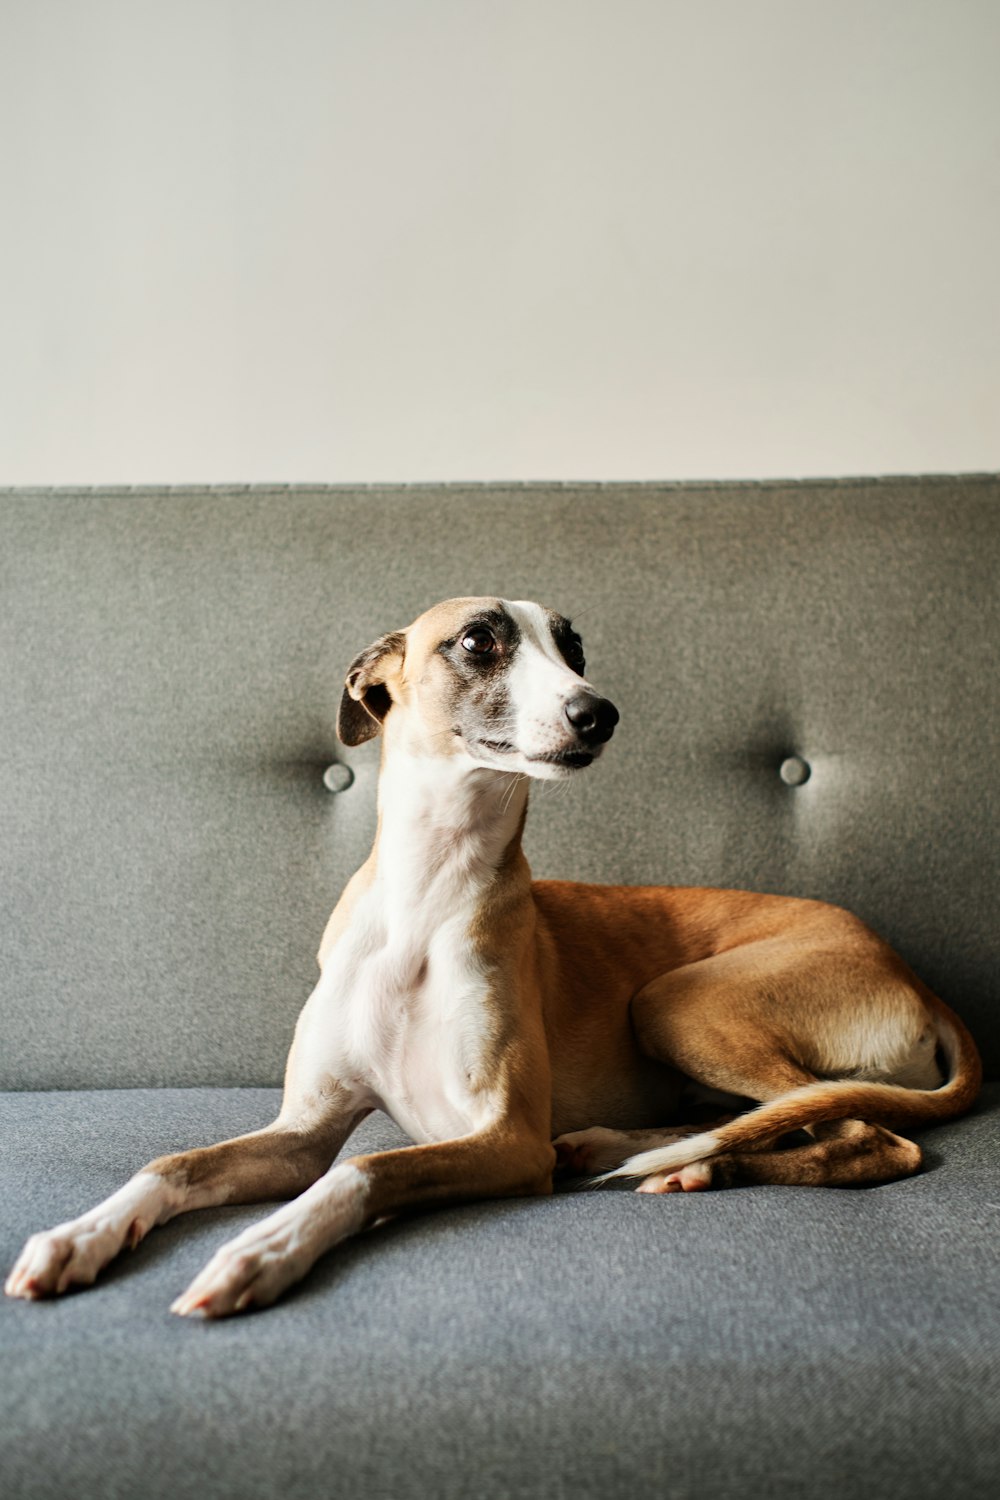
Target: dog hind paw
[582,1152]
[693,1178]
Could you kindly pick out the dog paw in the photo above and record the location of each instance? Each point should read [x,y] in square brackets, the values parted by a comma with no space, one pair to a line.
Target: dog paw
[582,1152]
[693,1178]
[75,1253]
[251,1271]
[40,1265]
[69,1255]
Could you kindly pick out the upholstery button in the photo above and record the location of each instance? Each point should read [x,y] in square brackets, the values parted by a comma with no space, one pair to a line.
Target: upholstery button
[337,778]
[794,771]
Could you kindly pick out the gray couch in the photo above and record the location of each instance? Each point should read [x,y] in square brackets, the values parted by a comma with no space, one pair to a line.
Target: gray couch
[170,668]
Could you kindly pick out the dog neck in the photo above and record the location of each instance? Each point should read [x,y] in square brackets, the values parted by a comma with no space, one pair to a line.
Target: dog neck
[448,829]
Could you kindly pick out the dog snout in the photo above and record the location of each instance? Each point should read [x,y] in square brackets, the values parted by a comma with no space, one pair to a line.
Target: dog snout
[593,719]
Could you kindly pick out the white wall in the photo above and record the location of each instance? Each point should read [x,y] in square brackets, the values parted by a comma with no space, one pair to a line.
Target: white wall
[440,239]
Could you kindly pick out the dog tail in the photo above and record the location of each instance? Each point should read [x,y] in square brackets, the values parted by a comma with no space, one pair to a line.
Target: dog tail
[890,1104]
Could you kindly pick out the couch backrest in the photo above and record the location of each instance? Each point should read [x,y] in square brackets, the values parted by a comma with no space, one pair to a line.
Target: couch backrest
[171,663]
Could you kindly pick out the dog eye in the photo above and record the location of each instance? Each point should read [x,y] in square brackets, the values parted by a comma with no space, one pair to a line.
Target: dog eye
[574,655]
[479,641]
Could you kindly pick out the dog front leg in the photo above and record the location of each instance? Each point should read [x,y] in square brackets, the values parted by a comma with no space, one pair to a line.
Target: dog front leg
[276,1162]
[255,1268]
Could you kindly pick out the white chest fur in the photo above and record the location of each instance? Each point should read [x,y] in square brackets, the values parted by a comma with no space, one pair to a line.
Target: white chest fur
[402,1013]
[416,1028]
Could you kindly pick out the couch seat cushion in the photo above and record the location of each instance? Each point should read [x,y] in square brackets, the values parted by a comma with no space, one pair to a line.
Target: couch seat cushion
[763,1341]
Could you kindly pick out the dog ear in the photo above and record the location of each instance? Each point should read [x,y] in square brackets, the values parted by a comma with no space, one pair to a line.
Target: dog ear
[366,700]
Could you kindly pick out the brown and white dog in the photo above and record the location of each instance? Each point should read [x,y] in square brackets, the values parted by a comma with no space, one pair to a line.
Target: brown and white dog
[508,1025]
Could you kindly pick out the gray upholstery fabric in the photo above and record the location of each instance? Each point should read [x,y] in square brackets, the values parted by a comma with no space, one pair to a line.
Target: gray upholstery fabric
[761,1342]
[171,661]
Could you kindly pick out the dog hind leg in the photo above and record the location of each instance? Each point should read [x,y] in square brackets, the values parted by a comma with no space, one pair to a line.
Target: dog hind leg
[845,1153]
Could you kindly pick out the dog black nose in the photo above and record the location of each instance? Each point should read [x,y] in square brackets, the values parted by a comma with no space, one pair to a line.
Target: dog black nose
[593,718]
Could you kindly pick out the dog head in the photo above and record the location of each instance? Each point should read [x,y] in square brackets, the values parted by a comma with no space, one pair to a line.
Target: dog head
[501,681]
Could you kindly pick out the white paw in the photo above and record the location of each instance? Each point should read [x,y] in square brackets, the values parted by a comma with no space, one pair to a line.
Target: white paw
[69,1255]
[251,1271]
[693,1178]
[74,1254]
[255,1268]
